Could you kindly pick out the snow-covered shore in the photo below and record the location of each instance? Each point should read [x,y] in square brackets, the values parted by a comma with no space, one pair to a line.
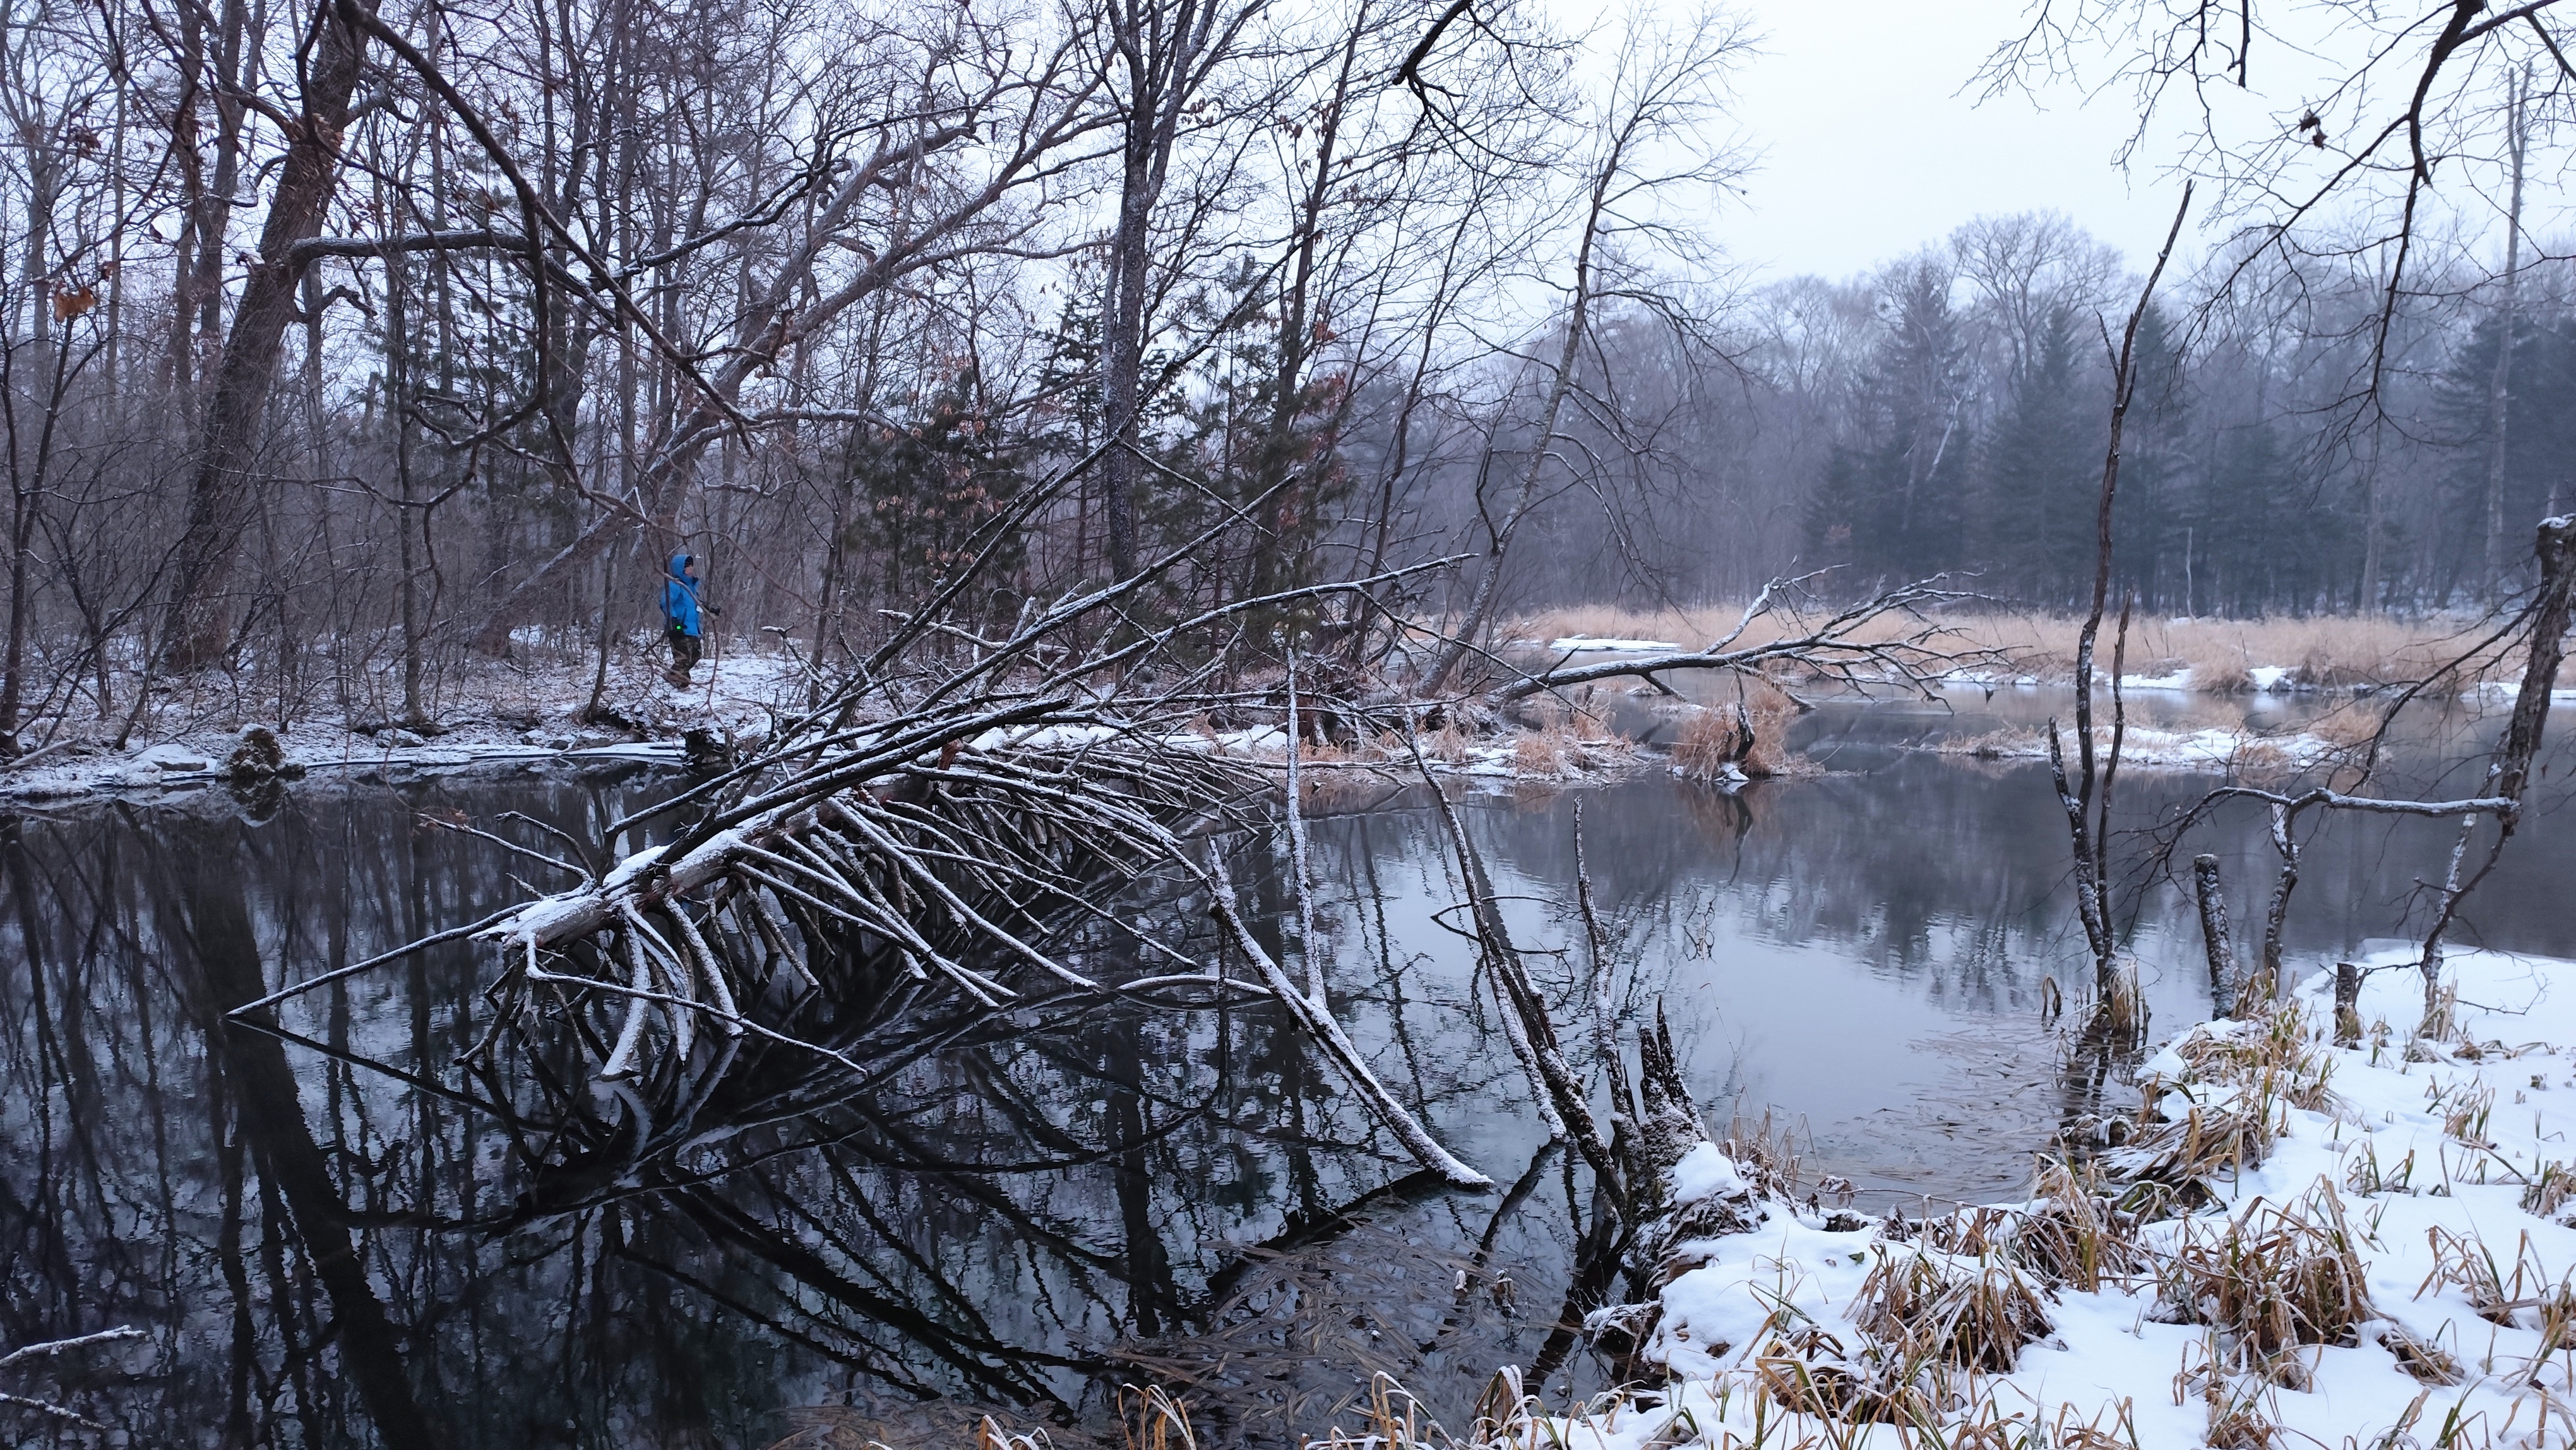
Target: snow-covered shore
[510,717]
[2298,1243]
[2142,747]
[519,720]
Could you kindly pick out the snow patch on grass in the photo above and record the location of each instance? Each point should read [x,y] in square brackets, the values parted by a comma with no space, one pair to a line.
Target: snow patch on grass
[509,714]
[2214,749]
[2384,1259]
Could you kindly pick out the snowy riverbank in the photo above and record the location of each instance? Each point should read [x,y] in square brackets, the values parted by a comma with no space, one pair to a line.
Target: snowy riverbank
[2299,1243]
[521,718]
[511,715]
[2214,749]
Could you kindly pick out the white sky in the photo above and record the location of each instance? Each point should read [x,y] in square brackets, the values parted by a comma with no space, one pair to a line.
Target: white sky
[1872,141]
[1873,144]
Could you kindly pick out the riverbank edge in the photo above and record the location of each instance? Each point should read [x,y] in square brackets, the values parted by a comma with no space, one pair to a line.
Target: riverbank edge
[2422,1164]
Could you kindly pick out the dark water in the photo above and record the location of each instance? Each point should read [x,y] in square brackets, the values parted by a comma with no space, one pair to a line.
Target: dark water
[340,1237]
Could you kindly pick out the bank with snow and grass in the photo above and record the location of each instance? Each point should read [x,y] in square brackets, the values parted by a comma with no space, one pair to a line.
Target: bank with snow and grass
[2289,1241]
[733,710]
[202,733]
[2214,749]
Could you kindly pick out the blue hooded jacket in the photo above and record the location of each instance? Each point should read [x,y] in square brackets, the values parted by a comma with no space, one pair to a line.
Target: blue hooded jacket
[680,596]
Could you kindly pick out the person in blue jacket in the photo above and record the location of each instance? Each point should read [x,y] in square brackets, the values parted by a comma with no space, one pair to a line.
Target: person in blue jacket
[680,607]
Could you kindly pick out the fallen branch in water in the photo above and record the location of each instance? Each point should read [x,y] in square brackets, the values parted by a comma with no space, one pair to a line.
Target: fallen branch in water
[957,846]
[47,1350]
[2541,625]
[1840,645]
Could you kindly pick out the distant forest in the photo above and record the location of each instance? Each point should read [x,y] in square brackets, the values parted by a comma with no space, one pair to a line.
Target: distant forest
[1950,413]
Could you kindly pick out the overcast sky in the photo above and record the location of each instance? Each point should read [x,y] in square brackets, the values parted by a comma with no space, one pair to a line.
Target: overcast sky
[1873,143]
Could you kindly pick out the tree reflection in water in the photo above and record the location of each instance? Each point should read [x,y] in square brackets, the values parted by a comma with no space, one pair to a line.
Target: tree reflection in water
[338,1235]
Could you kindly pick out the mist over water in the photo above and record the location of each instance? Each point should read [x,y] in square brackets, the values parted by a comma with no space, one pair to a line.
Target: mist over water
[337,1235]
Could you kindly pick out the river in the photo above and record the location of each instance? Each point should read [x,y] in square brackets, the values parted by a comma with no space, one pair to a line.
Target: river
[338,1236]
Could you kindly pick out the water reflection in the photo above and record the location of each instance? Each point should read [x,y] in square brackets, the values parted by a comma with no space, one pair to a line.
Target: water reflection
[338,1235]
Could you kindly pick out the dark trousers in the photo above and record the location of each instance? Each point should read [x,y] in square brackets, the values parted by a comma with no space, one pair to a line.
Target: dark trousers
[685,650]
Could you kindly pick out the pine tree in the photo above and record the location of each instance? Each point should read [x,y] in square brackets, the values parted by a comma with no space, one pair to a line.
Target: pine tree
[2540,437]
[2270,537]
[2041,483]
[928,488]
[1890,503]
[2151,516]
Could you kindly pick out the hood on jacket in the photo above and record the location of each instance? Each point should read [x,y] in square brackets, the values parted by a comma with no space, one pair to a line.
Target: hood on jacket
[678,566]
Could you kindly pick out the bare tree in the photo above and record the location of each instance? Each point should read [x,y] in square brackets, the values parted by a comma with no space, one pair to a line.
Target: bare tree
[1662,89]
[2088,802]
[2406,100]
[1166,55]
[197,622]
[2500,381]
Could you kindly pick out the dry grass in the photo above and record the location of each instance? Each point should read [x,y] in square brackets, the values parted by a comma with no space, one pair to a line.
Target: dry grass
[2527,1299]
[1766,1152]
[1507,1417]
[1448,744]
[2325,652]
[2270,1281]
[1952,1309]
[1749,732]
[2465,1112]
[2368,1176]
[2548,1192]
[2072,1233]
[2180,1153]
[1566,745]
[2270,1061]
[2122,1011]
[2271,1052]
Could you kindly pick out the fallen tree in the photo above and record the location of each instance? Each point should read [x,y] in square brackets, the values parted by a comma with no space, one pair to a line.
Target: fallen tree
[946,815]
[1886,641]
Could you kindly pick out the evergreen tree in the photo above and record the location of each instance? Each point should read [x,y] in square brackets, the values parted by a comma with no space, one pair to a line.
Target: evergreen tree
[2041,487]
[927,488]
[2269,537]
[2540,439]
[1891,501]
[2151,514]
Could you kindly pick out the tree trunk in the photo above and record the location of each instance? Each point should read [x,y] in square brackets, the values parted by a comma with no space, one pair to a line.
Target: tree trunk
[2371,526]
[197,622]
[2499,381]
[400,390]
[1278,560]
[1122,349]
[2214,936]
[2551,613]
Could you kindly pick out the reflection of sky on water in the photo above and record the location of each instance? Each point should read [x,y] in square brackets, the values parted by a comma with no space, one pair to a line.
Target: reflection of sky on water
[1861,956]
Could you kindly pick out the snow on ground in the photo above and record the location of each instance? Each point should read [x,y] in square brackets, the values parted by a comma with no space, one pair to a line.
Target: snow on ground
[536,713]
[1588,644]
[2215,749]
[508,713]
[2510,689]
[2435,1169]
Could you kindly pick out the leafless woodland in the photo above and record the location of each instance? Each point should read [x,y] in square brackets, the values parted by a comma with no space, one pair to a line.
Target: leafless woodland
[348,350]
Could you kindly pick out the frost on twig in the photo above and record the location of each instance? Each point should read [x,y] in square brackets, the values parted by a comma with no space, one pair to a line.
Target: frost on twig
[49,1349]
